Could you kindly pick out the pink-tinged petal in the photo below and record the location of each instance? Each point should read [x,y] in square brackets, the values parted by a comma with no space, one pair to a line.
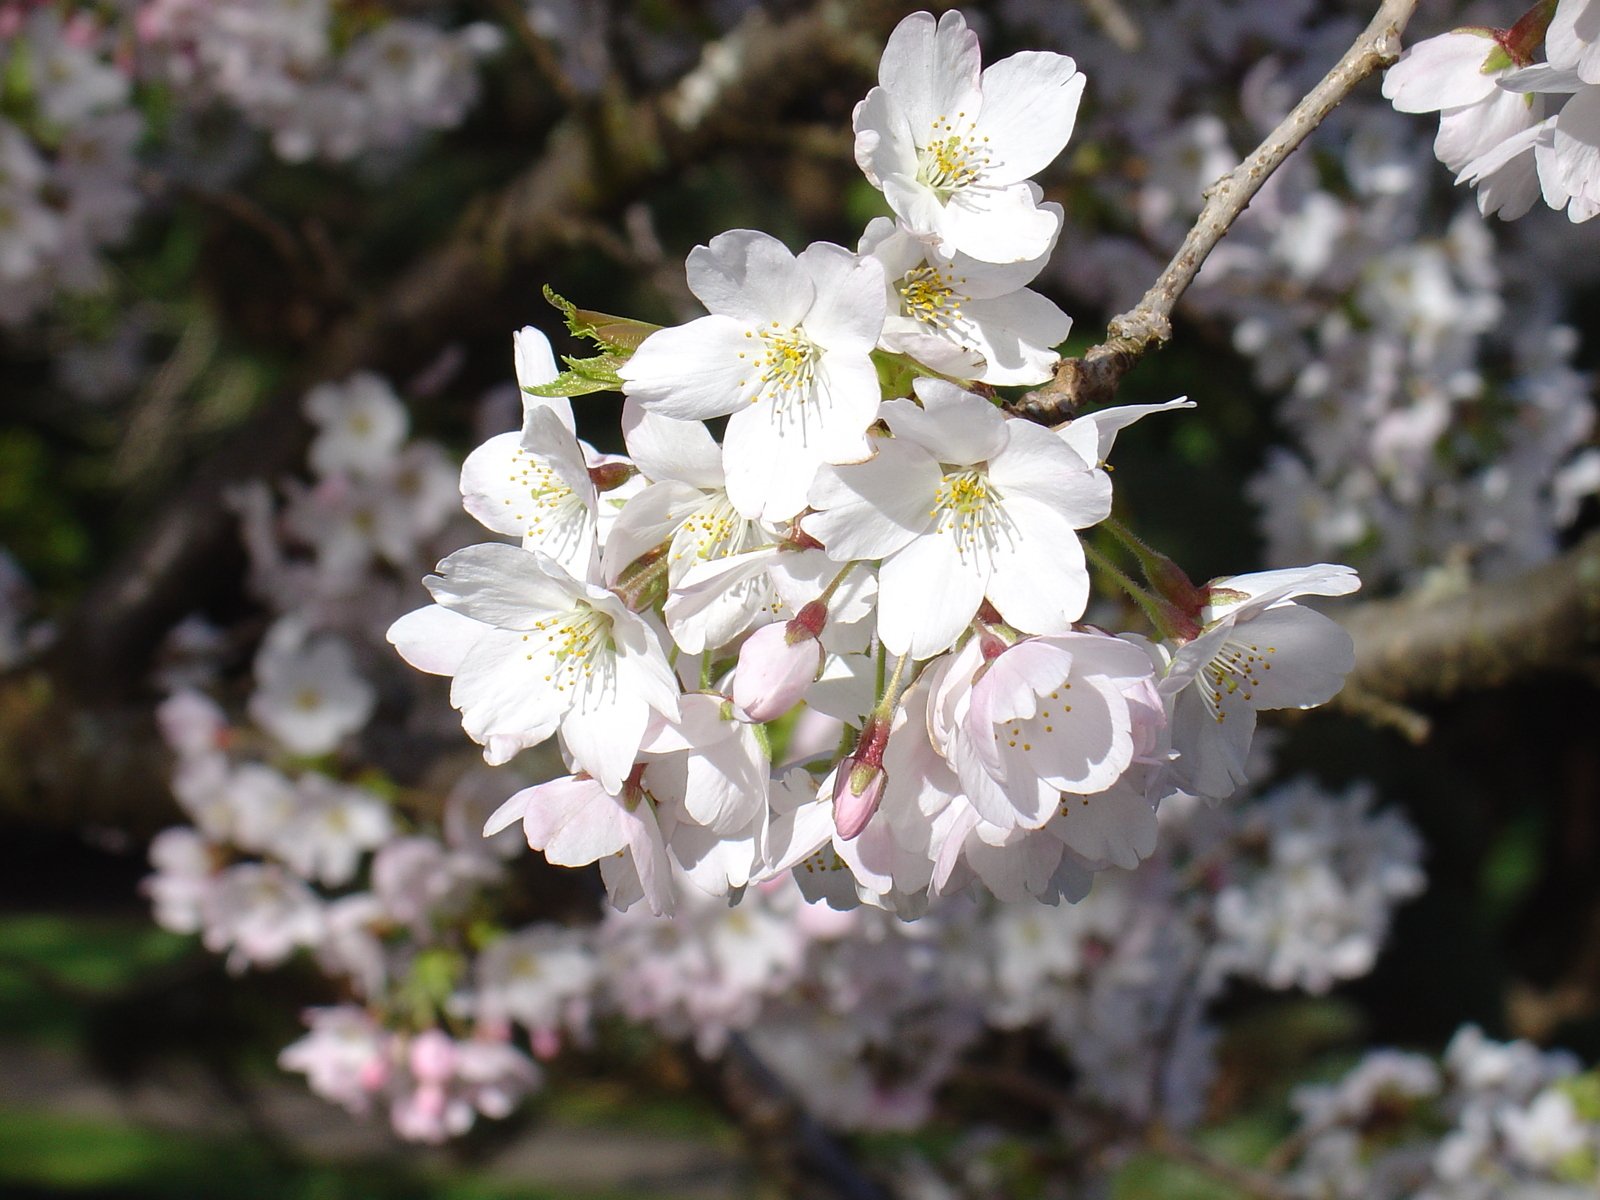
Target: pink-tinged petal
[774,673]
[951,424]
[1038,465]
[649,856]
[850,303]
[434,639]
[997,806]
[871,509]
[1039,580]
[1016,872]
[927,594]
[1290,657]
[768,462]
[1442,72]
[1116,828]
[884,145]
[999,224]
[1087,748]
[1113,657]
[692,372]
[1030,105]
[751,277]
[797,834]
[950,835]
[574,821]
[504,586]
[509,813]
[1507,177]
[1016,334]
[932,69]
[663,448]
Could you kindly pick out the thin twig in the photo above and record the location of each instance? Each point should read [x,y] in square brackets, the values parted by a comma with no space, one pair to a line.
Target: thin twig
[1093,379]
[544,58]
[1165,1142]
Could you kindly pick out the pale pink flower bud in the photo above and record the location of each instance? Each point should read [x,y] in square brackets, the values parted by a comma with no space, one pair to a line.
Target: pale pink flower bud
[777,663]
[859,781]
[856,792]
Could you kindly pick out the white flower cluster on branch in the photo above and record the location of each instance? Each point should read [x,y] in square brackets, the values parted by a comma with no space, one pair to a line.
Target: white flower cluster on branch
[875,553]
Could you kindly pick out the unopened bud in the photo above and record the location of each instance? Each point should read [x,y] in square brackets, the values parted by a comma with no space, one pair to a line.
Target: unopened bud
[611,475]
[859,782]
[857,792]
[777,663]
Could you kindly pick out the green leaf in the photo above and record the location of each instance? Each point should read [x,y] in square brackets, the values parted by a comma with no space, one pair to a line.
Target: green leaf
[582,376]
[620,335]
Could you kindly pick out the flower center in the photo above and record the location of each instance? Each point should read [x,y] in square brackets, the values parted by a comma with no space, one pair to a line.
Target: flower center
[787,364]
[575,643]
[967,508]
[714,530]
[926,295]
[552,505]
[1236,668]
[951,160]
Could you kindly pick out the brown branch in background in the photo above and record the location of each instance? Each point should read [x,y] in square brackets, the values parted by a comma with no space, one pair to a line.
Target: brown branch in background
[1483,636]
[1094,378]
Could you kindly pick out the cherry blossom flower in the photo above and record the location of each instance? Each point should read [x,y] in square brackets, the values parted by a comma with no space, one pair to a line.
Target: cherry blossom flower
[963,505]
[952,146]
[308,694]
[576,820]
[686,508]
[533,650]
[1257,650]
[786,350]
[361,425]
[965,318]
[1021,724]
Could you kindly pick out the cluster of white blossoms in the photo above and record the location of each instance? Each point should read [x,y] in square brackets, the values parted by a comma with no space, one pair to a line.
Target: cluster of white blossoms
[1514,127]
[1492,1119]
[324,80]
[876,558]
[67,165]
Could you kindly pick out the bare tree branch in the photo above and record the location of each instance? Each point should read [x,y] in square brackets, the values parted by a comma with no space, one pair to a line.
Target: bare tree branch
[1427,647]
[1094,378]
[594,162]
